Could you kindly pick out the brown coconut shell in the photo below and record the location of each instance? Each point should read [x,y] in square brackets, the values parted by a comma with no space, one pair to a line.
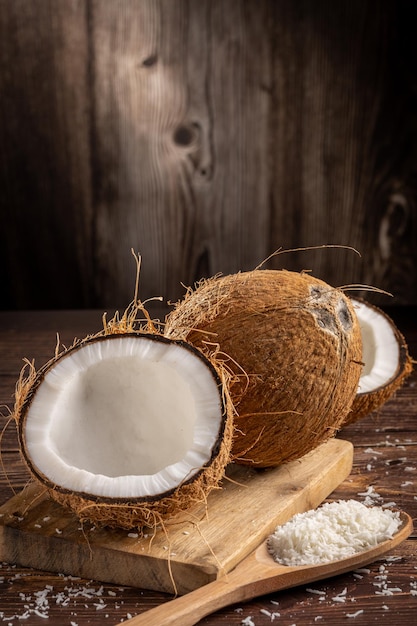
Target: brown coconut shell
[135,512]
[368,402]
[293,344]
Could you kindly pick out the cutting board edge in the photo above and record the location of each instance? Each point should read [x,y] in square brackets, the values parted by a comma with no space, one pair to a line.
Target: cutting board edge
[80,562]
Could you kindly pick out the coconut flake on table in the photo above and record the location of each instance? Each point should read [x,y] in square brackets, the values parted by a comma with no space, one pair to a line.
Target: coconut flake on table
[333,531]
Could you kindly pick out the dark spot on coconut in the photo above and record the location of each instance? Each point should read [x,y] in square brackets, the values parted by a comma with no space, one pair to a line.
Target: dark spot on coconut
[315,291]
[344,316]
[321,294]
[325,319]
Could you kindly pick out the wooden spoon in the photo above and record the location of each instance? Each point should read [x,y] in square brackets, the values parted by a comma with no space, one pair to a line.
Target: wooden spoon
[258,574]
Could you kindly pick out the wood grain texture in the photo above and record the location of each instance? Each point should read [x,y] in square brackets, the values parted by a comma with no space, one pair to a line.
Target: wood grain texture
[45,153]
[204,135]
[337,135]
[182,188]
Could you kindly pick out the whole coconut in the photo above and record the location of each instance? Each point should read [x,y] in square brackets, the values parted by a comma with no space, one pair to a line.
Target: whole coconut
[294,345]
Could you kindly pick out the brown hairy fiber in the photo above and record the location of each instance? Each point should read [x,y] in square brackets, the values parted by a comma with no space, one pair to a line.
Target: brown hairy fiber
[294,345]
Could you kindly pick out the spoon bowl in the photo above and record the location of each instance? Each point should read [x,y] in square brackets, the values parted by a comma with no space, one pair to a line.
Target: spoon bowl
[258,574]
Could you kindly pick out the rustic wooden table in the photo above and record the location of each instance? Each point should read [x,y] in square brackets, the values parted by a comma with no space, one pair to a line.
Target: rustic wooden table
[384,471]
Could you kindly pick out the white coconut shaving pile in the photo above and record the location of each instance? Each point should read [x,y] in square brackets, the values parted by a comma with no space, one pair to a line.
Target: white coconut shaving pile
[333,531]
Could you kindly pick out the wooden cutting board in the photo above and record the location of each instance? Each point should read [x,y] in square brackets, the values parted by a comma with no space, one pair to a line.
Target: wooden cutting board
[194,549]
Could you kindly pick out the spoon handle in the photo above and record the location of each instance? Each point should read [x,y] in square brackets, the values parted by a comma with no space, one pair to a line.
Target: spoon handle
[246,581]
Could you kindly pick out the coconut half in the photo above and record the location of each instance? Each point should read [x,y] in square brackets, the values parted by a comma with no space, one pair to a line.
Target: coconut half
[126,429]
[387,362]
[293,344]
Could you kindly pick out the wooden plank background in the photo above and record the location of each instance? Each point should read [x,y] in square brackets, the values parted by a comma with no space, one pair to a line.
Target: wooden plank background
[205,135]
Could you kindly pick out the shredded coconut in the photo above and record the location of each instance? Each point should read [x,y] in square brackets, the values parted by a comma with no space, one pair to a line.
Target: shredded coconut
[333,531]
[317,591]
[39,603]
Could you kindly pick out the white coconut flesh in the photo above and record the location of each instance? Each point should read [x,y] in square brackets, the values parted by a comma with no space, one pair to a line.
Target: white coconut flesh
[380,348]
[125,417]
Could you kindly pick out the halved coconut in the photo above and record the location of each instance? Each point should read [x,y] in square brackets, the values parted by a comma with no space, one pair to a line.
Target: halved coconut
[386,360]
[125,429]
[294,346]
